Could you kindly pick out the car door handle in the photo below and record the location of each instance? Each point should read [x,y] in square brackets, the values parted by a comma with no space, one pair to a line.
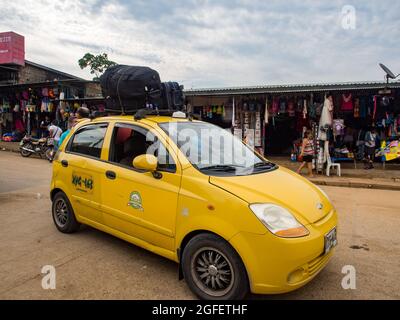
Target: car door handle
[64,163]
[111,175]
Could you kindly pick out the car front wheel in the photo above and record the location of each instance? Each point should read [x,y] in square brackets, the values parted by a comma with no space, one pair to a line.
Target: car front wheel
[213,270]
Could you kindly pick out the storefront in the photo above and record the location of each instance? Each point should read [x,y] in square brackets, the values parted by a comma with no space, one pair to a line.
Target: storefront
[274,118]
[24,107]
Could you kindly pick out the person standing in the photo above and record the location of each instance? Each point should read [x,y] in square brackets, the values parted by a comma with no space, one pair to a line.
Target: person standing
[71,123]
[307,153]
[55,133]
[44,133]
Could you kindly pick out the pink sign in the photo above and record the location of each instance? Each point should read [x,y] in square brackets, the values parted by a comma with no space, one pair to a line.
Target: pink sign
[12,48]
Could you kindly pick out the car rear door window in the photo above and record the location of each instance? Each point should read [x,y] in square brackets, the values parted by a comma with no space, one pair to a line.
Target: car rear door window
[129,142]
[88,140]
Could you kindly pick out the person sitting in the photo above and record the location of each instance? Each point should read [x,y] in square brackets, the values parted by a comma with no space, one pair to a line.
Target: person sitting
[134,146]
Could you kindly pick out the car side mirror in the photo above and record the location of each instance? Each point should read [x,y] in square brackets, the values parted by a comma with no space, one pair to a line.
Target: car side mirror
[146,162]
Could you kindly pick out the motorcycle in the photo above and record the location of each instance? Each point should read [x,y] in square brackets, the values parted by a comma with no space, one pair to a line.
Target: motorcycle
[43,147]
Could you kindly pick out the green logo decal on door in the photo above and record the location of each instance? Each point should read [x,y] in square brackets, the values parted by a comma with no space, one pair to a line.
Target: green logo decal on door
[135,201]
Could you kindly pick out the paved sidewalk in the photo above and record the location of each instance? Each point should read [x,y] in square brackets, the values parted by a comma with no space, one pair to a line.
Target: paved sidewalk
[381,184]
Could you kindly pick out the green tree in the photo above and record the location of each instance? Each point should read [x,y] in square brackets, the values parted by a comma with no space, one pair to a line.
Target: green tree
[97,64]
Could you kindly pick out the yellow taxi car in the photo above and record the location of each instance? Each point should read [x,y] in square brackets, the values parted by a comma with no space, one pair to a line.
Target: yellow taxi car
[193,193]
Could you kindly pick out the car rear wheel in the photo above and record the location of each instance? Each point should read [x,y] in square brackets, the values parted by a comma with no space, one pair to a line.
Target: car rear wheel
[63,214]
[213,270]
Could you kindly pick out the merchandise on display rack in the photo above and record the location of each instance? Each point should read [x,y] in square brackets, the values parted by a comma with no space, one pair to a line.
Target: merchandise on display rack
[22,110]
[279,119]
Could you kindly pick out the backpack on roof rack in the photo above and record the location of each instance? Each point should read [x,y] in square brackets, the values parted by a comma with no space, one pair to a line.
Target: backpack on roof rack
[130,88]
[172,96]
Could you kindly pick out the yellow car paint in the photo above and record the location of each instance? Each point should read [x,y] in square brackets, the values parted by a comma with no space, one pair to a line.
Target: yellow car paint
[160,214]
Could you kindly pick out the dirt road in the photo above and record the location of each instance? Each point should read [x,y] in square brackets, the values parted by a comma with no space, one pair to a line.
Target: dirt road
[94,265]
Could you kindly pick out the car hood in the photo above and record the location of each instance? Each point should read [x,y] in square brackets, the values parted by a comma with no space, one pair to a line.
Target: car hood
[282,187]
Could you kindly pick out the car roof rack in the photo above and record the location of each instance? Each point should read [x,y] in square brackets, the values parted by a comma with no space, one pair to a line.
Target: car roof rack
[143,113]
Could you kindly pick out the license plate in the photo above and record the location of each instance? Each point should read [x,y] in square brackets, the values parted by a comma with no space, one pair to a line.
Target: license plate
[330,240]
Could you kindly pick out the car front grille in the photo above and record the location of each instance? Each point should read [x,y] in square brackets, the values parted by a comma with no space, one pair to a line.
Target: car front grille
[317,264]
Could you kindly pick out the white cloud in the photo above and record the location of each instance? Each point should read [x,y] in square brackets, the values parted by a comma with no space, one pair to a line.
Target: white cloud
[218,43]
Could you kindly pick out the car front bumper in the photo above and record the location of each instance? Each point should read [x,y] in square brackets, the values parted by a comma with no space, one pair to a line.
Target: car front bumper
[279,265]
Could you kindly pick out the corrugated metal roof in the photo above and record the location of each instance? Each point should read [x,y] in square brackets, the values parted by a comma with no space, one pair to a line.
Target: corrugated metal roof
[293,88]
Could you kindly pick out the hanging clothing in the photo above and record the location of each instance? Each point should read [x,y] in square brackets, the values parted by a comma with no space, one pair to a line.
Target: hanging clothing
[326,120]
[313,110]
[275,106]
[347,102]
[282,108]
[357,108]
[305,112]
[291,109]
[363,108]
[338,127]
[375,107]
[266,115]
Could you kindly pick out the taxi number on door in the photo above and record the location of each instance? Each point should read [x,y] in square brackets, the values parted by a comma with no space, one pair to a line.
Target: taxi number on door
[82,182]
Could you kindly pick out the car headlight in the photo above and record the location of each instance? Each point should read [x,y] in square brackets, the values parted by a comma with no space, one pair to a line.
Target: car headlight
[279,221]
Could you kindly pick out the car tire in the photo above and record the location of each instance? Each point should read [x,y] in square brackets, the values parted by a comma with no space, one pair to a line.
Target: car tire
[63,214]
[213,270]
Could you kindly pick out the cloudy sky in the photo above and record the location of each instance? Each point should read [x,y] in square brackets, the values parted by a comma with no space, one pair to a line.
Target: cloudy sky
[203,43]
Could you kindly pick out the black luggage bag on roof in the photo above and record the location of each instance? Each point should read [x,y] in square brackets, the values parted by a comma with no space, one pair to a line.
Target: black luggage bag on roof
[172,96]
[129,88]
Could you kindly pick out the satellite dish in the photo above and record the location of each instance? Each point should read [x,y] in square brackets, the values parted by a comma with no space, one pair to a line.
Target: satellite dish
[389,73]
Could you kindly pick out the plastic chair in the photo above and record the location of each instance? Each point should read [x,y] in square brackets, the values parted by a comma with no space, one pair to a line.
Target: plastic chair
[330,165]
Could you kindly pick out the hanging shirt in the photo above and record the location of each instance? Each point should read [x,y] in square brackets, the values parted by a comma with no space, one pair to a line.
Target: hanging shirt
[347,102]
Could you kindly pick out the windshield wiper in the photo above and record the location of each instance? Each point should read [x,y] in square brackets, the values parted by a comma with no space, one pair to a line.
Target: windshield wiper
[224,168]
[264,165]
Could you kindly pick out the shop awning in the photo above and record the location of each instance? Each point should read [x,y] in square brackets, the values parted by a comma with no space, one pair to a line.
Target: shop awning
[294,88]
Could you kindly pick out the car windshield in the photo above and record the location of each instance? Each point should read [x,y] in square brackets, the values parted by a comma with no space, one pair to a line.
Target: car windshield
[212,149]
